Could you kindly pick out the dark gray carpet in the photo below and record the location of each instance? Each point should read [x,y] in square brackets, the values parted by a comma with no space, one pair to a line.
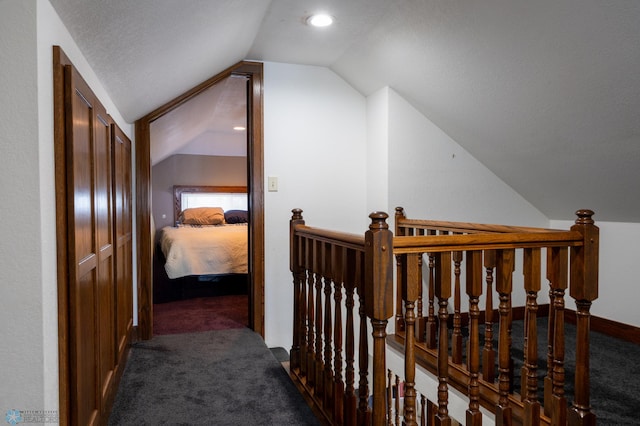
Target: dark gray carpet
[224,377]
[615,372]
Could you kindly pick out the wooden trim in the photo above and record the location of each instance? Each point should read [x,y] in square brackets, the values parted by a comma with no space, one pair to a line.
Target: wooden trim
[143,231]
[517,313]
[178,190]
[60,60]
[255,158]
[626,332]
[622,331]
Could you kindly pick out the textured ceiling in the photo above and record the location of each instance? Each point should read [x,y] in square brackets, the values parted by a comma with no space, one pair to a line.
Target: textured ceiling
[205,124]
[545,93]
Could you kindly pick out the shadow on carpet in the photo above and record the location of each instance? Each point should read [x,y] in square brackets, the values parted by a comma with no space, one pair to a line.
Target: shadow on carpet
[224,377]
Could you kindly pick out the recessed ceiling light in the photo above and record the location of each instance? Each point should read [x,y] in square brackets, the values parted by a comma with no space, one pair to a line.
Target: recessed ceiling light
[320,20]
[239,128]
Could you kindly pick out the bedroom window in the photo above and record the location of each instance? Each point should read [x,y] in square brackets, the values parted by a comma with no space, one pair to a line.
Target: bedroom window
[225,200]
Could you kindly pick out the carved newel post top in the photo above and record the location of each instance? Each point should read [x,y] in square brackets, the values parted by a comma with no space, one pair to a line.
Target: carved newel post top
[297,214]
[378,220]
[584,217]
[400,211]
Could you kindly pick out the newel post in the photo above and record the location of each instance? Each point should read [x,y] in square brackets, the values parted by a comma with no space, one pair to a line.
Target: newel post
[378,291]
[584,290]
[295,265]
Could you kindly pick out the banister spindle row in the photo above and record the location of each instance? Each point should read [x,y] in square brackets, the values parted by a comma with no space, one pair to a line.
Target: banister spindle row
[336,277]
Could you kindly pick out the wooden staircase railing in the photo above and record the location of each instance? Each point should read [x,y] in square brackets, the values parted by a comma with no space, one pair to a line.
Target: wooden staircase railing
[341,279]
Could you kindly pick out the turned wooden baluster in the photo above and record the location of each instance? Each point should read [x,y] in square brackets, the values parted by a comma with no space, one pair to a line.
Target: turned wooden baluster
[559,273]
[379,301]
[442,290]
[456,336]
[532,277]
[504,283]
[400,231]
[311,328]
[364,412]
[397,402]
[389,396]
[350,399]
[318,380]
[411,287]
[304,332]
[584,289]
[421,320]
[432,411]
[339,261]
[474,290]
[298,277]
[328,328]
[488,353]
[551,321]
[432,329]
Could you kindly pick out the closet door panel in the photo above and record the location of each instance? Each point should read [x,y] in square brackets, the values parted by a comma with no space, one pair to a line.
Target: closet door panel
[104,237]
[93,220]
[83,257]
[121,147]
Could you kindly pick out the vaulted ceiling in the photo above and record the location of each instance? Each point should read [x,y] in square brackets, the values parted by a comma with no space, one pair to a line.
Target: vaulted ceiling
[545,93]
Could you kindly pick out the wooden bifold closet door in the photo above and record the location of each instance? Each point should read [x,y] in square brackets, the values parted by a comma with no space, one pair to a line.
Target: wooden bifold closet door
[98,288]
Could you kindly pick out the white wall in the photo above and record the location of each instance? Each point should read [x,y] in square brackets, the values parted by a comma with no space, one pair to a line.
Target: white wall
[28,295]
[378,151]
[21,253]
[314,143]
[433,177]
[618,280]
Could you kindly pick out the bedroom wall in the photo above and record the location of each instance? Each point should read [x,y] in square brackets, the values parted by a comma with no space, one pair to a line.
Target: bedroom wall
[618,278]
[28,296]
[183,169]
[314,142]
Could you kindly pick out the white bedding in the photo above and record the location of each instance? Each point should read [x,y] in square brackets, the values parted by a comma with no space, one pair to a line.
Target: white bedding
[205,250]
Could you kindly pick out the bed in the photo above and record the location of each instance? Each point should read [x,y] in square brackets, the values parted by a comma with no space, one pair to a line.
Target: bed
[207,247]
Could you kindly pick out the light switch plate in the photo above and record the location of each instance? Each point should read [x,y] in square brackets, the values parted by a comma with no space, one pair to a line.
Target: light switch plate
[272,184]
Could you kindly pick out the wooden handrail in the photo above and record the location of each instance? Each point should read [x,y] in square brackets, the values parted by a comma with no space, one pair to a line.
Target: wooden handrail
[332,237]
[467,227]
[454,242]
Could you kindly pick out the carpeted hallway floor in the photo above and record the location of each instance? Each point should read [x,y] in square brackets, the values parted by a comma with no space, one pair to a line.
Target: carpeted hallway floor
[614,366]
[221,377]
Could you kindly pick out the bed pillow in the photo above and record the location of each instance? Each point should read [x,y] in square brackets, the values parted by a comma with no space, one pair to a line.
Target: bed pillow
[236,216]
[202,216]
